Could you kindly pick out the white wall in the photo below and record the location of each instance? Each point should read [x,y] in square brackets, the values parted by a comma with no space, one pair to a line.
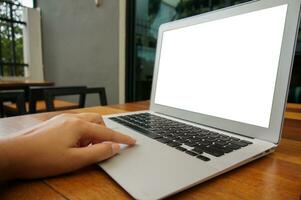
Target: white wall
[81,44]
[33,44]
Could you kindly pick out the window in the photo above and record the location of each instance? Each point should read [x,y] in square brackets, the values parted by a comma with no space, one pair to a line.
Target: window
[11,37]
[143,20]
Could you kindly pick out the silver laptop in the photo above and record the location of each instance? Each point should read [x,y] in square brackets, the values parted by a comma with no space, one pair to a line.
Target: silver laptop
[218,98]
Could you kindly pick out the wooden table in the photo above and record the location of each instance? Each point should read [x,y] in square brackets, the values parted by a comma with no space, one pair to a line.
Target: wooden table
[22,85]
[8,84]
[276,176]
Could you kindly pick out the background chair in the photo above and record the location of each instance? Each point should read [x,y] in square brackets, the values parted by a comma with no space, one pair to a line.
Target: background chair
[102,94]
[51,93]
[12,96]
[37,102]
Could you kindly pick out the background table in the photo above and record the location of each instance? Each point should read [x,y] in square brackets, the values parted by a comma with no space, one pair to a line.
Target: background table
[276,176]
[8,84]
[22,85]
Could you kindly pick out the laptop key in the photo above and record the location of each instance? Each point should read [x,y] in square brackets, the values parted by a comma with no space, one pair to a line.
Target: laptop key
[170,137]
[215,135]
[241,144]
[191,144]
[180,140]
[226,150]
[164,140]
[234,138]
[204,158]
[210,139]
[212,151]
[198,150]
[233,146]
[174,144]
[204,142]
[247,142]
[191,153]
[181,148]
[221,148]
[224,138]
[153,136]
[222,143]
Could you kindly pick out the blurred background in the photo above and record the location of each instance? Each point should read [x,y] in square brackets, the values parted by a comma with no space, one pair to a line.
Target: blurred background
[112,44]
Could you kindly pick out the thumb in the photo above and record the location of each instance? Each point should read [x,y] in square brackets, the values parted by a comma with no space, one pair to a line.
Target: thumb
[96,153]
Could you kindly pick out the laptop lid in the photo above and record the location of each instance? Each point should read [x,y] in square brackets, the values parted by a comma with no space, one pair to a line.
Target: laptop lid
[228,69]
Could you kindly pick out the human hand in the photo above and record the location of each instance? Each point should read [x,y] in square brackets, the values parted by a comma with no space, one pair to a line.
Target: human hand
[62,144]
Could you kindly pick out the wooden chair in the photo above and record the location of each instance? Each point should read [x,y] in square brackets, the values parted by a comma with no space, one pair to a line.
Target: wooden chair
[12,96]
[102,94]
[51,93]
[37,102]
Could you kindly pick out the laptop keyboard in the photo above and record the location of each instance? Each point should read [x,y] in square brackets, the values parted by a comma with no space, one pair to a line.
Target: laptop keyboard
[186,138]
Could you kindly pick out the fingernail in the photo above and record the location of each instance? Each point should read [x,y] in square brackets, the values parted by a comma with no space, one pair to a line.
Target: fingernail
[115,148]
[134,140]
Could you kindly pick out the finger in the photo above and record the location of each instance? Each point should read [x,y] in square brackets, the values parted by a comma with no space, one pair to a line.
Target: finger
[95,153]
[98,133]
[89,117]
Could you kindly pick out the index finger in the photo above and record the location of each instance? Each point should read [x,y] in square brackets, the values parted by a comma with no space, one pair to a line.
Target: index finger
[98,133]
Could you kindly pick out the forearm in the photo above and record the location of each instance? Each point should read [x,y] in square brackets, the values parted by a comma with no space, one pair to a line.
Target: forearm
[5,163]
[12,154]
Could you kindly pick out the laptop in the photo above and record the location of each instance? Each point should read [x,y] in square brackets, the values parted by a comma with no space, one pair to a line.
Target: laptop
[218,98]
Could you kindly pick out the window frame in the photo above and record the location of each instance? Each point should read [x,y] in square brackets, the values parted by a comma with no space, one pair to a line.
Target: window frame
[11,23]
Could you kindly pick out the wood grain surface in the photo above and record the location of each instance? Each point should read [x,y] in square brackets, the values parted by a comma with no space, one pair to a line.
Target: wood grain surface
[276,176]
[41,105]
[4,84]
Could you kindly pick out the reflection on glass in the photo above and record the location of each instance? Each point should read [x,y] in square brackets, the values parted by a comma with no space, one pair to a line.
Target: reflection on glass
[6,43]
[6,70]
[150,14]
[19,43]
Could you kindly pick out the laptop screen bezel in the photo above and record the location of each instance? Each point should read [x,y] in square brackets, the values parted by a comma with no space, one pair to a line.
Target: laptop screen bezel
[273,133]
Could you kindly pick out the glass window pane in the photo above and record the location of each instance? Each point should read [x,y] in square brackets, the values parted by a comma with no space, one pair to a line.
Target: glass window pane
[19,70]
[6,43]
[17,13]
[4,10]
[7,71]
[27,3]
[19,43]
[11,37]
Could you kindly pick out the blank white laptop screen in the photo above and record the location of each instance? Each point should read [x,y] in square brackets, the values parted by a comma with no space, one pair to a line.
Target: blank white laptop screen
[225,68]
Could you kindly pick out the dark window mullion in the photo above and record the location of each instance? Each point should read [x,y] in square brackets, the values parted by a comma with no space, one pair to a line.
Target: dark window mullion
[13,68]
[11,64]
[130,53]
[12,21]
